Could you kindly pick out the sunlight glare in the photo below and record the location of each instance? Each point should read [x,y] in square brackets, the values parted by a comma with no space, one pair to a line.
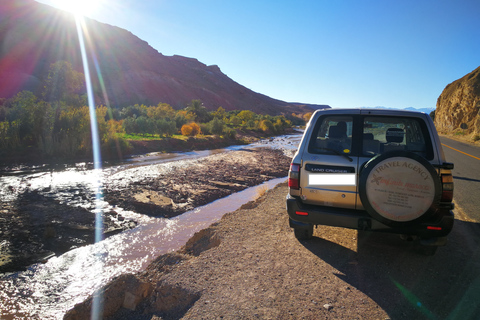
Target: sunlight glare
[79,7]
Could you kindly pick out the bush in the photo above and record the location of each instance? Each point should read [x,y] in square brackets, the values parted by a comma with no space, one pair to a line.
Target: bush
[191,129]
[186,130]
[196,130]
[216,126]
[230,133]
[205,128]
[266,125]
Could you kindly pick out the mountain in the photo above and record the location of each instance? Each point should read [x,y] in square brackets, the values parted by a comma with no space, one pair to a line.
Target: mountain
[425,110]
[458,107]
[34,35]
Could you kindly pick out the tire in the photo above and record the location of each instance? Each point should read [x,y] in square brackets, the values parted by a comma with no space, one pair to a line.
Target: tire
[399,188]
[303,233]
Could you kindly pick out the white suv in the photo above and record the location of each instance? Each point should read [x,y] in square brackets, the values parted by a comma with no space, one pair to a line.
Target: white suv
[372,169]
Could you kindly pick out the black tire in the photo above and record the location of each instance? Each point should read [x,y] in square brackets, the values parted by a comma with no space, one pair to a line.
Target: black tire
[399,188]
[303,233]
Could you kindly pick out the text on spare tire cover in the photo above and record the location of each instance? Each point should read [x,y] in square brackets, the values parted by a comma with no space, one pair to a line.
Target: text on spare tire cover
[400,189]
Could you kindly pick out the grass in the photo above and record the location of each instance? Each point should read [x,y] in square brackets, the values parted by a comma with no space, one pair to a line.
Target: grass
[138,137]
[261,190]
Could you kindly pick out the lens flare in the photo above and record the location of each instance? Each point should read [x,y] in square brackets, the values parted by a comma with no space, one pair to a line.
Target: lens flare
[78,7]
[81,30]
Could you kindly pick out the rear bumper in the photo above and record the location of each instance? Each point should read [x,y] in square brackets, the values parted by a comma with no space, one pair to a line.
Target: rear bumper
[361,220]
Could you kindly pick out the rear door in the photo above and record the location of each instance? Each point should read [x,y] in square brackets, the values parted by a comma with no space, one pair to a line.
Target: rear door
[328,172]
[390,132]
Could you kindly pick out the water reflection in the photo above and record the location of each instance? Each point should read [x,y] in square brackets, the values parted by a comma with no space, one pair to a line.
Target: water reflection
[47,291]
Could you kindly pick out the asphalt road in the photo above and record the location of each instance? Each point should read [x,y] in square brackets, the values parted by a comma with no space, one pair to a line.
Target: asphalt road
[466,174]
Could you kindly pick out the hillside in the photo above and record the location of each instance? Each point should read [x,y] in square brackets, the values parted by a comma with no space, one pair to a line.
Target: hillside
[458,106]
[35,35]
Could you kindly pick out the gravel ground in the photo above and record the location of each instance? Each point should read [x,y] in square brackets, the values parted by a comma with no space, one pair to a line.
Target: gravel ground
[250,266]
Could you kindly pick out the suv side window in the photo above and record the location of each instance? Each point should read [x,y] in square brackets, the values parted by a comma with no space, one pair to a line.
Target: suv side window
[332,135]
[383,134]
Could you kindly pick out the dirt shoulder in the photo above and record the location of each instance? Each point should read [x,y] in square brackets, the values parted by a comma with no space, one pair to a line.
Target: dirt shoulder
[249,265]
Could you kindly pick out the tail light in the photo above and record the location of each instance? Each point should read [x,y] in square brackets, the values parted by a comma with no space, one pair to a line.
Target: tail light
[447,188]
[294,176]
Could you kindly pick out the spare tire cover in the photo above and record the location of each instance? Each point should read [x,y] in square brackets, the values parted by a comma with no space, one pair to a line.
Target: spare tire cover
[399,188]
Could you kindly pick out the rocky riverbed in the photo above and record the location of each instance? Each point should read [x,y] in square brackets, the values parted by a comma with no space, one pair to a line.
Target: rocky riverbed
[34,227]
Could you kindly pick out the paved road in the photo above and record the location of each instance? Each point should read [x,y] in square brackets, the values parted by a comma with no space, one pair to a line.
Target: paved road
[466,174]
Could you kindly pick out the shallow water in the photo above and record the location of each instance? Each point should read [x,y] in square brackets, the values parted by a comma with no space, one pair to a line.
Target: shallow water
[47,291]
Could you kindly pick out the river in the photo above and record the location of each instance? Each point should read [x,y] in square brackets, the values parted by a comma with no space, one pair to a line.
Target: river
[47,291]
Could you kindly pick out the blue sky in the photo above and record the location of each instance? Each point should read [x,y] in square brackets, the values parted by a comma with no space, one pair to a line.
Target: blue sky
[343,53]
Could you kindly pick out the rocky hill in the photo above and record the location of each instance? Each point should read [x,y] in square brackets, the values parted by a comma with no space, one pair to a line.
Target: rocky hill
[34,35]
[458,107]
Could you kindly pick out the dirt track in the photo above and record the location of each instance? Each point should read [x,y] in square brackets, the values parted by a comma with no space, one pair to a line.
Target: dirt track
[249,266]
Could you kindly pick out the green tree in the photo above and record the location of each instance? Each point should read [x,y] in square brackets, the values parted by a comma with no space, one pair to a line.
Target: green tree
[63,84]
[198,109]
[266,125]
[216,126]
[166,127]
[246,115]
[219,114]
[162,111]
[23,107]
[129,125]
[235,121]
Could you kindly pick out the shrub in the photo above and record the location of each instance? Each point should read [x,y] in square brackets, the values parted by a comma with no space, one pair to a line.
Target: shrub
[266,125]
[205,128]
[196,130]
[230,133]
[216,126]
[186,130]
[191,129]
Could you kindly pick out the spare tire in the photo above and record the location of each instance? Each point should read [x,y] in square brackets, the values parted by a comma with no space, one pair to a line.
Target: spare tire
[399,188]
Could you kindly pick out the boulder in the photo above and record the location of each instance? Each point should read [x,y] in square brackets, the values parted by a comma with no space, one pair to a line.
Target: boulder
[458,106]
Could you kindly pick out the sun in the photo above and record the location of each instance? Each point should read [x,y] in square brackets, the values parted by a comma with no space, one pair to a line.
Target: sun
[78,7]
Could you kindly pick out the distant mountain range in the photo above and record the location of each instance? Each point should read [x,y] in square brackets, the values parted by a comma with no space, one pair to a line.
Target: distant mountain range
[425,110]
[34,35]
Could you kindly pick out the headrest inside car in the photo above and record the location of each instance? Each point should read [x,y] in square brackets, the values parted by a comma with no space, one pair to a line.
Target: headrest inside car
[395,135]
[336,132]
[368,136]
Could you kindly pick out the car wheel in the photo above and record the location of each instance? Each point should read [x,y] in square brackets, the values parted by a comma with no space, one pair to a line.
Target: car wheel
[399,188]
[303,233]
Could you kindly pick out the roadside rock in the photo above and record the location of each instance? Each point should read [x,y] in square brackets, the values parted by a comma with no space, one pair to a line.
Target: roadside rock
[458,107]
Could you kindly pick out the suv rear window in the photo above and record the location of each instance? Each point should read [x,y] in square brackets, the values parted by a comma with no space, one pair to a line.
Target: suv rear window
[383,134]
[332,135]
